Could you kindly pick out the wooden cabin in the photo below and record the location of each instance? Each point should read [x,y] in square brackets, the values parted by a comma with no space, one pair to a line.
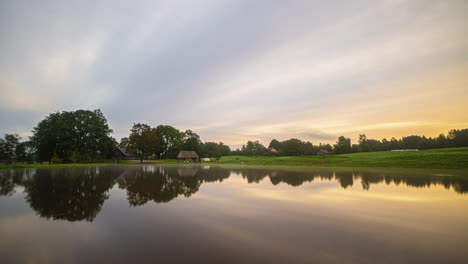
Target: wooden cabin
[122,154]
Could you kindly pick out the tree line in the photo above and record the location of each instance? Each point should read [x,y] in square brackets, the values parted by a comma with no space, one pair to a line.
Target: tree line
[85,136]
[165,142]
[297,147]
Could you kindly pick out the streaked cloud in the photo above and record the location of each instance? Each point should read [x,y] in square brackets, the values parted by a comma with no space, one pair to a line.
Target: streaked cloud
[239,70]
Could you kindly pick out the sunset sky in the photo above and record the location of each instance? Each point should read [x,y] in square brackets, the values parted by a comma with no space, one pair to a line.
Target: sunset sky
[237,70]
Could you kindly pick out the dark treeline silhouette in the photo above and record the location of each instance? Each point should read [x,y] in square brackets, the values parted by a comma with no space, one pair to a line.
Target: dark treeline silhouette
[85,136]
[78,194]
[297,147]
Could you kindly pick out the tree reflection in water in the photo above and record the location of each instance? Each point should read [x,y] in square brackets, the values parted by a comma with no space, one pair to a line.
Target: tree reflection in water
[68,194]
[77,194]
[347,178]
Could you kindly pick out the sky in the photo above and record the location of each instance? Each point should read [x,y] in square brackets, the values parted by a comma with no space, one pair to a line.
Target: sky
[235,70]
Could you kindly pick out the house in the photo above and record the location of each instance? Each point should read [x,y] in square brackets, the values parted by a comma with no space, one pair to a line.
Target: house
[121,153]
[186,155]
[323,152]
[272,150]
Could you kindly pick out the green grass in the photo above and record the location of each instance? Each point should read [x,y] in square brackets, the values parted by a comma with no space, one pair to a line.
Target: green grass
[450,158]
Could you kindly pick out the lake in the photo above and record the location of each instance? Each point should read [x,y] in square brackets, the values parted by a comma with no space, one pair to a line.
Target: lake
[213,214]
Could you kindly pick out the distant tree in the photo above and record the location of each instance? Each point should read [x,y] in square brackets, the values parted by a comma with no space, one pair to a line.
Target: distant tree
[3,154]
[411,142]
[394,144]
[441,141]
[363,146]
[458,138]
[123,142]
[292,147]
[143,141]
[171,140]
[191,141]
[211,150]
[374,145]
[309,149]
[275,144]
[326,147]
[8,147]
[342,146]
[225,149]
[24,152]
[253,148]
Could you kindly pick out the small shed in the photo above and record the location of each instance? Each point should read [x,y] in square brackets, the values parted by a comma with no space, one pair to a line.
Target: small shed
[121,153]
[186,155]
[323,152]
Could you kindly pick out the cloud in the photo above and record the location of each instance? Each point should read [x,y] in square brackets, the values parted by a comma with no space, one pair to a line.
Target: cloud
[238,70]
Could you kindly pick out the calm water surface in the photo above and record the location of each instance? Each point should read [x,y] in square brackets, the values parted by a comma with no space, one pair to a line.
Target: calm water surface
[193,214]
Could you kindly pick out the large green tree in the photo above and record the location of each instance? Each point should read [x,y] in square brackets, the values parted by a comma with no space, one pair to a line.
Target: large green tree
[80,135]
[143,141]
[191,141]
[171,140]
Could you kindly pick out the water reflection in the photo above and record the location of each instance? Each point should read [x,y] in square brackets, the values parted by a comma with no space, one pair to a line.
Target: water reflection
[77,194]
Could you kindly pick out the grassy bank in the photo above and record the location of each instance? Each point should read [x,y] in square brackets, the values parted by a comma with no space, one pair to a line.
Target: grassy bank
[449,158]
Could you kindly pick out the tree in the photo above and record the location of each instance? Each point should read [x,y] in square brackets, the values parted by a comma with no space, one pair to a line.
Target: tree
[8,147]
[25,152]
[82,135]
[275,144]
[143,141]
[292,147]
[123,142]
[211,150]
[326,147]
[363,146]
[254,148]
[170,139]
[342,146]
[309,149]
[191,141]
[458,138]
[225,149]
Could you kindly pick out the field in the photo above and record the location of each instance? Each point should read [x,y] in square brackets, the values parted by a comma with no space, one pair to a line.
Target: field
[449,158]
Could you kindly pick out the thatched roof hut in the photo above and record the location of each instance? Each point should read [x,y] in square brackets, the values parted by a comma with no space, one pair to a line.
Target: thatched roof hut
[186,155]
